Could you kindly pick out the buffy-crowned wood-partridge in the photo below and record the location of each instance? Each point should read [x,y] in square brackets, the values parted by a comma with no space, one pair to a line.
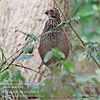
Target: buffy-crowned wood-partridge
[51,38]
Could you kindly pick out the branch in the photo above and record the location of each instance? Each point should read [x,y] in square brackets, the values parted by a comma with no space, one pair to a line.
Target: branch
[28,68]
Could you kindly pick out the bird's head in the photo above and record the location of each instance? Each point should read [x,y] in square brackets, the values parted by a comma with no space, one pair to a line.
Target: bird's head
[52,13]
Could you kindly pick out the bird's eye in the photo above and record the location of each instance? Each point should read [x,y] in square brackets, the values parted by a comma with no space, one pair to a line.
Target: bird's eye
[51,11]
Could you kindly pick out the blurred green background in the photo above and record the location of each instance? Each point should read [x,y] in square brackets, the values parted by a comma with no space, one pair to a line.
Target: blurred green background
[89,12]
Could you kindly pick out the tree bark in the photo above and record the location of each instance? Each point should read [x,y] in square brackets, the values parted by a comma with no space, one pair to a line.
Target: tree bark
[25,16]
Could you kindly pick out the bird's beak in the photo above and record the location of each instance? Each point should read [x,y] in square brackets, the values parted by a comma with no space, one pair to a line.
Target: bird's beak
[46,12]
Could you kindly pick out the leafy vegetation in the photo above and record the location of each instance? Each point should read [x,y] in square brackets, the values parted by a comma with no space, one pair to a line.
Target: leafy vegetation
[63,81]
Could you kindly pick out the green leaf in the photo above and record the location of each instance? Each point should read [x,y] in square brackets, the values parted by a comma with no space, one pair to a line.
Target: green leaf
[2,65]
[49,82]
[96,81]
[87,21]
[73,42]
[6,92]
[12,70]
[18,74]
[23,57]
[97,29]
[58,54]
[88,10]
[77,22]
[61,54]
[31,37]
[47,89]
[22,79]
[60,25]
[4,76]
[68,65]
[81,79]
[70,90]
[2,92]
[98,57]
[3,56]
[48,56]
[28,48]
[67,22]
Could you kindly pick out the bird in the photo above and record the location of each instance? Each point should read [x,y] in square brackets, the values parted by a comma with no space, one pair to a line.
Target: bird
[51,38]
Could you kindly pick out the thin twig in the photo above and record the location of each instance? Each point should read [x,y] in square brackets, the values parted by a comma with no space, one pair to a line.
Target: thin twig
[28,69]
[20,32]
[38,72]
[95,61]
[77,34]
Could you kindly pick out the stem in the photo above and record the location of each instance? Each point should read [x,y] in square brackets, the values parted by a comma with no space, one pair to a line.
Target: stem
[95,61]
[77,34]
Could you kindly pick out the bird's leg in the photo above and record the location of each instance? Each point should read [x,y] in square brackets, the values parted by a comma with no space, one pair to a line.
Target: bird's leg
[41,75]
[38,72]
